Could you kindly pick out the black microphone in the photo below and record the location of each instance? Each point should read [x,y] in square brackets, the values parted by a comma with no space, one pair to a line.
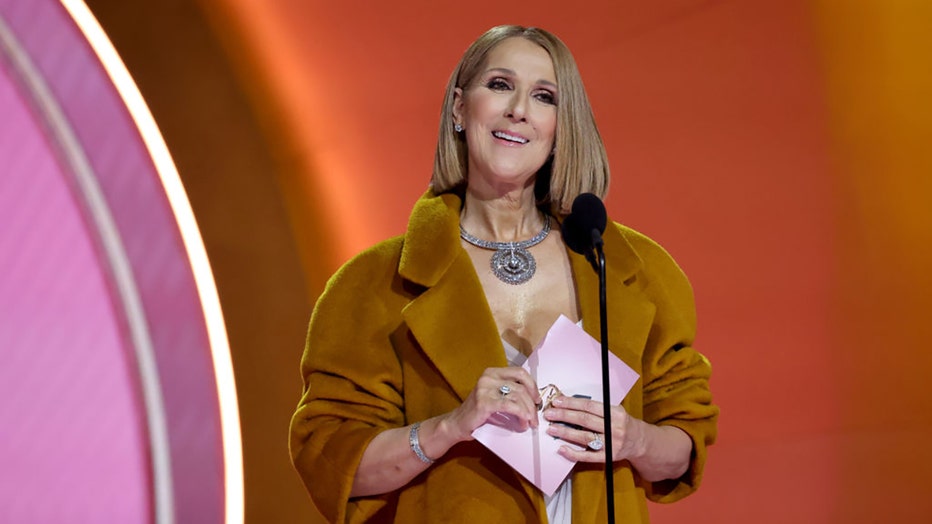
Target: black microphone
[582,232]
[582,229]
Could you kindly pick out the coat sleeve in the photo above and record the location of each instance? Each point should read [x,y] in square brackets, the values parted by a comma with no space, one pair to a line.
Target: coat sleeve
[675,375]
[352,383]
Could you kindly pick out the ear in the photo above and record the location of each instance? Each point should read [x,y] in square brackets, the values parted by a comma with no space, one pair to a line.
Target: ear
[458,103]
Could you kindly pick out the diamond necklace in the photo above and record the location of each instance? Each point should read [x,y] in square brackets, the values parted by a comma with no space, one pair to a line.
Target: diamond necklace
[512,263]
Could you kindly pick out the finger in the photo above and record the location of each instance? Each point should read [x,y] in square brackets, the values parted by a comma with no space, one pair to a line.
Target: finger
[581,443]
[508,374]
[521,377]
[579,404]
[573,435]
[524,406]
[521,388]
[581,419]
[508,398]
[512,415]
[582,455]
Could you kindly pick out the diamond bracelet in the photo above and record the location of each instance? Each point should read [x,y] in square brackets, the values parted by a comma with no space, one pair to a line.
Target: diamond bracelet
[416,444]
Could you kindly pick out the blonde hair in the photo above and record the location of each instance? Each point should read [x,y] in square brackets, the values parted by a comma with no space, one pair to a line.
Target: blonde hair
[579,163]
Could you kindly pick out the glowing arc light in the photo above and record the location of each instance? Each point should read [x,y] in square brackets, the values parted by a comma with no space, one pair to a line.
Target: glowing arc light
[194,248]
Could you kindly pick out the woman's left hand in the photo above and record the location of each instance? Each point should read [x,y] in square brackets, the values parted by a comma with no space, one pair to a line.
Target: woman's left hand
[587,416]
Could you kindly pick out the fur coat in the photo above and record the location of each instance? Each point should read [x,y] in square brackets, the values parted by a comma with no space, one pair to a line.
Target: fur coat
[403,331]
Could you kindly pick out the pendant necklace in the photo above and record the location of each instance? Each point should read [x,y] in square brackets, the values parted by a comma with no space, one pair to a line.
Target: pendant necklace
[512,263]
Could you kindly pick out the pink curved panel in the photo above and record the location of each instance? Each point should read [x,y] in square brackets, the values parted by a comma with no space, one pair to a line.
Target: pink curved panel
[70,430]
[109,410]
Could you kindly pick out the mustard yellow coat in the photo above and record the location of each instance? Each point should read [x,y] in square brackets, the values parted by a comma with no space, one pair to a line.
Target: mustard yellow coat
[403,331]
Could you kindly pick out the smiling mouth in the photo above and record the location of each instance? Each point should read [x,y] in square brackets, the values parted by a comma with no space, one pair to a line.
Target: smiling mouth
[511,138]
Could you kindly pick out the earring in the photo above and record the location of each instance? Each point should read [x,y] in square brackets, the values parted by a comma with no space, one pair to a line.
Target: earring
[458,128]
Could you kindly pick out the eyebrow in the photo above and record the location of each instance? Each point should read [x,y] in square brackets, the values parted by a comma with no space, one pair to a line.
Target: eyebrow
[509,72]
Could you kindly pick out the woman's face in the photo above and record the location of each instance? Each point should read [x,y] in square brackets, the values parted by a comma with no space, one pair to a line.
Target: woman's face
[509,114]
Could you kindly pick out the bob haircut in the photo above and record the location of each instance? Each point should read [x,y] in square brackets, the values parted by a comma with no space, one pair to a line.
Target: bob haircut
[579,163]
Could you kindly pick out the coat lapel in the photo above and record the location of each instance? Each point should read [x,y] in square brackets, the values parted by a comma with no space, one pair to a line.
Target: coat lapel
[629,311]
[451,319]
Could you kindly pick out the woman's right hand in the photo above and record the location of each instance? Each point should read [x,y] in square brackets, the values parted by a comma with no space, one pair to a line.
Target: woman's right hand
[388,462]
[516,410]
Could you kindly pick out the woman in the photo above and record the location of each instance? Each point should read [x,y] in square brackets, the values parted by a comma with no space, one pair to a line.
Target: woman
[418,341]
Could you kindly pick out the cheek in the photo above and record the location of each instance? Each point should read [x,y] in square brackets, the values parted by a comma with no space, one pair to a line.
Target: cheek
[549,135]
[548,126]
[480,108]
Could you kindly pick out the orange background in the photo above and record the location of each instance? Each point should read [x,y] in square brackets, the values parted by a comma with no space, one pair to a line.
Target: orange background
[778,149]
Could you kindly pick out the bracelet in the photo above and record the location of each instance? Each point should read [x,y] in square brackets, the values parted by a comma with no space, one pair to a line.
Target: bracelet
[416,444]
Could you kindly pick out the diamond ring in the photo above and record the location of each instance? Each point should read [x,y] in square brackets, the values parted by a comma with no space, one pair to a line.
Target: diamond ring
[505,389]
[596,443]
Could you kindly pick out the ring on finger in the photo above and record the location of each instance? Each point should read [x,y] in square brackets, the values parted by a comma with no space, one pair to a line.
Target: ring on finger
[505,389]
[596,443]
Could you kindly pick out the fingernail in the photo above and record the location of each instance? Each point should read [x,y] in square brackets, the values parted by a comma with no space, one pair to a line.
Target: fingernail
[558,401]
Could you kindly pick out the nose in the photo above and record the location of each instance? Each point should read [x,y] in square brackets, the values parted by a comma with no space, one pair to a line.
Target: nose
[517,107]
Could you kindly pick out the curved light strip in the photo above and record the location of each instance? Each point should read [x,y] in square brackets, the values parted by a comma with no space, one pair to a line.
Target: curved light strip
[194,246]
[119,265]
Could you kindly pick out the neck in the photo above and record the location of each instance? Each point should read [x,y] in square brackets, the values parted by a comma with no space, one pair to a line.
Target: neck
[501,217]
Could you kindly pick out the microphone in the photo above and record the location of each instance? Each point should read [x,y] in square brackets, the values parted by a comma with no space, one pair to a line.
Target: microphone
[582,232]
[582,229]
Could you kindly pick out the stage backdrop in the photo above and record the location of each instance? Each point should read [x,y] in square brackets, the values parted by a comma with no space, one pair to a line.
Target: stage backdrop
[778,149]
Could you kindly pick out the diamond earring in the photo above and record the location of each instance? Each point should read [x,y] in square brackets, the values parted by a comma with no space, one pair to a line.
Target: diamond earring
[458,128]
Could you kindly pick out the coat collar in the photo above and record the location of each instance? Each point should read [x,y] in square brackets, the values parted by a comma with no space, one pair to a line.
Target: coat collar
[432,241]
[432,244]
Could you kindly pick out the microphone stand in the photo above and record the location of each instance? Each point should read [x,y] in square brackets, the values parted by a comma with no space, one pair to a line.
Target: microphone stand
[606,393]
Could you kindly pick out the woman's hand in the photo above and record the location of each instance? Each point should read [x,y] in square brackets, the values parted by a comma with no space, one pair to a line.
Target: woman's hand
[388,463]
[657,452]
[516,408]
[586,416]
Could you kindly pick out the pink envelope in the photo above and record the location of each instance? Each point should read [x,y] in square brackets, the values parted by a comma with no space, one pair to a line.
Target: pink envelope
[571,360]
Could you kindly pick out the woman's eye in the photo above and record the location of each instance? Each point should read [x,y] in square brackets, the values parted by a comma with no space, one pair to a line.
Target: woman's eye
[546,97]
[497,84]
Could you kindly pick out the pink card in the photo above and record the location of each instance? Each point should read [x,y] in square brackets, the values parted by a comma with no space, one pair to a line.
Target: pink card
[571,360]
